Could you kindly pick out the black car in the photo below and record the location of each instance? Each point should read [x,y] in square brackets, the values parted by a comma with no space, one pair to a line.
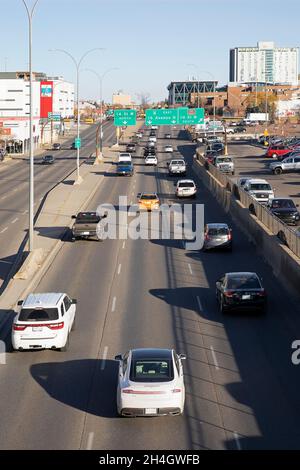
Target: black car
[240,291]
[149,151]
[285,209]
[217,147]
[56,146]
[124,169]
[130,147]
[48,159]
[240,129]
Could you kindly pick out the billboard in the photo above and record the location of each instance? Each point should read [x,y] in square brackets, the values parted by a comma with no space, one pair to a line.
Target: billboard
[46,98]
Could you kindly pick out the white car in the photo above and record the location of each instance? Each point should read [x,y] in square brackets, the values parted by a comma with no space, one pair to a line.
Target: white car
[150,383]
[125,157]
[151,160]
[168,148]
[154,128]
[152,138]
[44,322]
[186,188]
[139,135]
[260,190]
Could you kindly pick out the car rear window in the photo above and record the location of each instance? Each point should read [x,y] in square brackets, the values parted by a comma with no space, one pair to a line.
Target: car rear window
[86,218]
[261,187]
[38,314]
[152,370]
[218,231]
[186,185]
[148,196]
[178,162]
[283,203]
[243,282]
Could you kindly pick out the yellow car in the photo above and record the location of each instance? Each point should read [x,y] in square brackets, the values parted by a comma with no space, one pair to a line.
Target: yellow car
[148,201]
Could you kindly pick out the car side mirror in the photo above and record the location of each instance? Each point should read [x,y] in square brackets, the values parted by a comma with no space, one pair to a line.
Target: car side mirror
[138,195]
[118,357]
[174,184]
[297,205]
[74,301]
[104,216]
[168,163]
[20,302]
[73,217]
[182,357]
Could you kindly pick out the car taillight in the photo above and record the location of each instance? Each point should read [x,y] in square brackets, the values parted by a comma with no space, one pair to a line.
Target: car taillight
[229,293]
[128,390]
[229,236]
[56,326]
[207,237]
[262,293]
[176,390]
[19,327]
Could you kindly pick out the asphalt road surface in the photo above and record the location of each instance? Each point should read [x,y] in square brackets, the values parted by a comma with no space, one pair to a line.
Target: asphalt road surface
[242,390]
[14,190]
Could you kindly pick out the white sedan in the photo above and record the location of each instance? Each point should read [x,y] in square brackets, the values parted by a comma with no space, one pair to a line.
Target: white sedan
[151,160]
[150,383]
[168,148]
[44,322]
[186,188]
[152,138]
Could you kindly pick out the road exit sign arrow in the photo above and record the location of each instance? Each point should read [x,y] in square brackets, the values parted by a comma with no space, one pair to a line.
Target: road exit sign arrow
[125,117]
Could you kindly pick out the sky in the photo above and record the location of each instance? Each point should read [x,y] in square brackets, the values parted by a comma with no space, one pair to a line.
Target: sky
[151,42]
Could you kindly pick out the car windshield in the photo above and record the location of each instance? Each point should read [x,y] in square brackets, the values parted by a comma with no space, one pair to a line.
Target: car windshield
[243,282]
[215,231]
[189,184]
[148,196]
[152,370]
[38,314]
[224,160]
[260,187]
[283,203]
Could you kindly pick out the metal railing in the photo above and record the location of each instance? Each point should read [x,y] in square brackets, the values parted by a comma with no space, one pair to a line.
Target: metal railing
[284,233]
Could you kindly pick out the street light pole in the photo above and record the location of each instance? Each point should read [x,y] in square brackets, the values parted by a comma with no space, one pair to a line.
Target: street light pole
[77,66]
[214,82]
[31,155]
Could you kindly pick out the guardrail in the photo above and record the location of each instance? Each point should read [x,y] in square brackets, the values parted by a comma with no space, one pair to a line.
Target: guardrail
[284,233]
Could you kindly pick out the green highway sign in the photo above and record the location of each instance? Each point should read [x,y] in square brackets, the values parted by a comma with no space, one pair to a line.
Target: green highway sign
[77,143]
[173,116]
[161,117]
[190,116]
[54,117]
[125,117]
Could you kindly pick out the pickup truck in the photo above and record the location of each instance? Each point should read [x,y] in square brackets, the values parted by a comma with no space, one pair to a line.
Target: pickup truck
[177,167]
[85,225]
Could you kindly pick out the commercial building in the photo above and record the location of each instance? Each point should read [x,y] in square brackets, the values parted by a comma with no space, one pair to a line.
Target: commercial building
[264,64]
[50,95]
[121,99]
[180,92]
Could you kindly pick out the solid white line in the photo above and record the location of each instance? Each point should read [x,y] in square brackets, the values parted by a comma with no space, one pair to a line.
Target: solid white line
[90,441]
[119,268]
[237,440]
[25,212]
[199,303]
[190,268]
[113,304]
[104,358]
[214,357]
[123,246]
[14,221]
[4,230]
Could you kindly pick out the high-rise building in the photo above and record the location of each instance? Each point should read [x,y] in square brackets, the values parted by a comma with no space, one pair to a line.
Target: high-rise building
[264,63]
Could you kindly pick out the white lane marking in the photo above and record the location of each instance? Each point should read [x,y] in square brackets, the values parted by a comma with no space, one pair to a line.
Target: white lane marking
[123,246]
[214,357]
[25,212]
[4,230]
[190,268]
[104,358]
[237,440]
[41,198]
[119,268]
[113,304]
[132,193]
[199,304]
[14,221]
[90,441]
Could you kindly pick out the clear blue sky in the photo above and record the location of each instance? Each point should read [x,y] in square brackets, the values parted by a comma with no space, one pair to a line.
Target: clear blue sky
[151,41]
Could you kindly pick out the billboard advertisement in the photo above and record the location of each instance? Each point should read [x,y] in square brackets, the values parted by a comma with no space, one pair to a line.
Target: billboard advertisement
[46,98]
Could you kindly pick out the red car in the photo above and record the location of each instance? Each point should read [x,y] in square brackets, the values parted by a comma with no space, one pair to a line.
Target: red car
[278,150]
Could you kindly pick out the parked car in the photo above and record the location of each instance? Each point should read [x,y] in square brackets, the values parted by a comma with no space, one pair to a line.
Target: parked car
[259,189]
[240,130]
[224,163]
[86,225]
[44,322]
[285,209]
[239,291]
[56,146]
[287,165]
[217,235]
[185,188]
[277,150]
[150,383]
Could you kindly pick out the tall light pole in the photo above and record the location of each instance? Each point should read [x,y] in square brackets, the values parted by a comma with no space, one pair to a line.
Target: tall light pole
[77,64]
[214,83]
[30,13]
[100,78]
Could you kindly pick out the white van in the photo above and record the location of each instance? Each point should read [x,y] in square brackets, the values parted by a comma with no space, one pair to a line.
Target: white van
[125,157]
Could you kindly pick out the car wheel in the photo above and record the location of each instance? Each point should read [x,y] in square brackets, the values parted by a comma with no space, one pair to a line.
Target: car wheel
[66,346]
[277,171]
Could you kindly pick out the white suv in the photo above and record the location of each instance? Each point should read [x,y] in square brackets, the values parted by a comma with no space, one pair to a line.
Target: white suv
[186,188]
[44,322]
[260,190]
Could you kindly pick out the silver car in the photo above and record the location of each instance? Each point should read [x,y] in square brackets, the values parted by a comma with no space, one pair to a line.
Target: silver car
[225,164]
[217,235]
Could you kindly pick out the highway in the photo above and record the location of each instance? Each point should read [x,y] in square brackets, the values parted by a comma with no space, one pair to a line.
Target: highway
[14,190]
[242,391]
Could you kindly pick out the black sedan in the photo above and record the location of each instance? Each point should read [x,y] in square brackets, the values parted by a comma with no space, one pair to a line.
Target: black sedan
[48,160]
[130,148]
[285,209]
[240,291]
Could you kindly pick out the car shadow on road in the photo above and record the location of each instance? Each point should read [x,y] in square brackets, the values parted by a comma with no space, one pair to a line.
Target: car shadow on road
[83,384]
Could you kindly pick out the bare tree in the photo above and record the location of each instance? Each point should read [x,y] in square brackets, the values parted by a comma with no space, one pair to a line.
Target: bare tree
[144,98]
